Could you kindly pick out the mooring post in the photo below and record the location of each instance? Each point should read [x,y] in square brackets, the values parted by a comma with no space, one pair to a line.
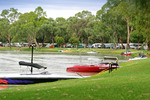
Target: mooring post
[109,66]
[116,64]
[126,49]
[32,59]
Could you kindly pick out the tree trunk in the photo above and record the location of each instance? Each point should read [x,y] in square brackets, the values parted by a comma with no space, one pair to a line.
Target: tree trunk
[53,43]
[128,35]
[148,44]
[115,43]
[9,40]
[138,44]
[60,46]
[36,43]
[115,46]
[77,47]
[43,40]
[122,47]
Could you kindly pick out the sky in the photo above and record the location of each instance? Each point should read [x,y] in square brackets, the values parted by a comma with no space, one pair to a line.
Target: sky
[54,8]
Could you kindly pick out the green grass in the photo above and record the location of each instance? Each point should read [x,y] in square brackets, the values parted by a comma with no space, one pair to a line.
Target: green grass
[131,82]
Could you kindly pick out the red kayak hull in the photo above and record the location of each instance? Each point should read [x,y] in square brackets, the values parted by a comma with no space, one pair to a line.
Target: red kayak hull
[128,54]
[89,68]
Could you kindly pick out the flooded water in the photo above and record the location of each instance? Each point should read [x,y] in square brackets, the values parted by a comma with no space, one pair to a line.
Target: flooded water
[55,62]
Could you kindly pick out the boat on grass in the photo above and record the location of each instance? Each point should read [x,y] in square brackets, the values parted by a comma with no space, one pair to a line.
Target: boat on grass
[141,56]
[91,52]
[137,58]
[127,53]
[95,68]
[31,78]
[90,68]
[18,79]
[66,51]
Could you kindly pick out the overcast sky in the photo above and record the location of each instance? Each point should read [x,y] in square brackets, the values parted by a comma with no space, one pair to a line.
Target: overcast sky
[54,8]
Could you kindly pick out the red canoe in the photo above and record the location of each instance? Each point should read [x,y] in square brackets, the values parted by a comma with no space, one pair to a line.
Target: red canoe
[90,68]
[127,54]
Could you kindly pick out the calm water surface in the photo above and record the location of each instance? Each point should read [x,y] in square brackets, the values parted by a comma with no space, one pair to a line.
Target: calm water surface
[55,62]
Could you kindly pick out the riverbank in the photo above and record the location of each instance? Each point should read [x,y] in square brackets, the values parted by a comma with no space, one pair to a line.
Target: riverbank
[131,82]
[82,50]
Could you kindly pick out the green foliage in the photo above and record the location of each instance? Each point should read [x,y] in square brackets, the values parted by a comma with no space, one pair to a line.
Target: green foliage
[7,18]
[115,22]
[40,12]
[80,24]
[29,24]
[142,19]
[137,36]
[74,41]
[61,24]
[142,4]
[43,32]
[59,40]
[111,26]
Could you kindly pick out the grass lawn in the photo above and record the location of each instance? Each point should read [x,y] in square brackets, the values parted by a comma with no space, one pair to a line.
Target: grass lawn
[131,82]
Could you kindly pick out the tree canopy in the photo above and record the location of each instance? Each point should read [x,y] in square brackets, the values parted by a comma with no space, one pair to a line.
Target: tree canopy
[118,21]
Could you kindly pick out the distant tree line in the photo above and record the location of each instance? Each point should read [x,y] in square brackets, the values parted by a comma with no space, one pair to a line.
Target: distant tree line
[119,21]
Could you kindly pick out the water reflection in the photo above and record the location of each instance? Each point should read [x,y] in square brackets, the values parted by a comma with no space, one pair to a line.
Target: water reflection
[3,87]
[7,86]
[55,62]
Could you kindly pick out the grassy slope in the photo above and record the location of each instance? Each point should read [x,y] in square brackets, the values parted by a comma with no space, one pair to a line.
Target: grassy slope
[131,82]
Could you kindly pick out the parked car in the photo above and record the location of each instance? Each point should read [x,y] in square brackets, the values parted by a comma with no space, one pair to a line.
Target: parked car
[138,46]
[135,45]
[109,45]
[96,45]
[17,44]
[69,46]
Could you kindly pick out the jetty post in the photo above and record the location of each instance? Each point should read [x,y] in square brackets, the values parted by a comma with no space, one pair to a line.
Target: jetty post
[32,59]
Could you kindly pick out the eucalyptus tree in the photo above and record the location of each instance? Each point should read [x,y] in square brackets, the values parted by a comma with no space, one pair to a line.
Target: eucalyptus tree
[59,40]
[72,27]
[15,31]
[111,4]
[78,24]
[43,33]
[142,24]
[89,32]
[29,24]
[137,36]
[62,25]
[116,26]
[142,19]
[100,31]
[98,36]
[4,27]
[8,17]
[142,4]
[84,18]
[74,41]
[47,31]
[53,30]
[40,12]
[111,25]
[127,10]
